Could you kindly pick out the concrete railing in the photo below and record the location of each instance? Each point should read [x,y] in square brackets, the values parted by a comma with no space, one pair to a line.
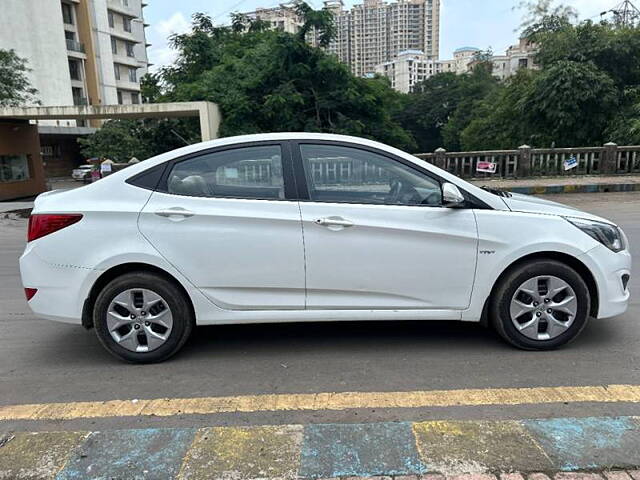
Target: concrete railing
[610,159]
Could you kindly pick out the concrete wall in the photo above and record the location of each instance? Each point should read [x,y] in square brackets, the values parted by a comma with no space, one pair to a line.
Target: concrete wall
[20,138]
[34,29]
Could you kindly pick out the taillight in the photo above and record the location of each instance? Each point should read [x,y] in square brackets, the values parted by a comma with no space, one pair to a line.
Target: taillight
[30,292]
[42,224]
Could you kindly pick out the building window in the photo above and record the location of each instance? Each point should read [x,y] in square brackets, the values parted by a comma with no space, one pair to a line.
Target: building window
[74,70]
[119,97]
[69,35]
[126,24]
[67,13]
[116,70]
[112,22]
[78,96]
[114,45]
[14,168]
[125,3]
[135,98]
[130,49]
[133,77]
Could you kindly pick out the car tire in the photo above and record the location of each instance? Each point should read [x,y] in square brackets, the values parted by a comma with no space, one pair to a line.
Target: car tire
[173,311]
[510,306]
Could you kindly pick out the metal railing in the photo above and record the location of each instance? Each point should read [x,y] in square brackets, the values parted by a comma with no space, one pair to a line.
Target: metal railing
[74,46]
[610,159]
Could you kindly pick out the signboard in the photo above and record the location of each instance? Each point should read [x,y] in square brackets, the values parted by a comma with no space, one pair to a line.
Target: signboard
[105,167]
[486,167]
[571,162]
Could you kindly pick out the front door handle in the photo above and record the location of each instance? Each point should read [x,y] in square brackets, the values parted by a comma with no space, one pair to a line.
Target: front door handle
[176,211]
[334,222]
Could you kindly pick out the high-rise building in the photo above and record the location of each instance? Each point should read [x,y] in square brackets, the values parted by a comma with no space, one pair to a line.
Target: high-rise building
[376,32]
[373,32]
[80,52]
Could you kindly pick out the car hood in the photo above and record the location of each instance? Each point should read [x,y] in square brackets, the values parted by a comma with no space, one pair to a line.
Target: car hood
[518,202]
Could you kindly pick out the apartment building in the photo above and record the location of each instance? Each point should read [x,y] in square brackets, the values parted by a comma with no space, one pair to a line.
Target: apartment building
[282,17]
[373,32]
[80,52]
[516,57]
[408,69]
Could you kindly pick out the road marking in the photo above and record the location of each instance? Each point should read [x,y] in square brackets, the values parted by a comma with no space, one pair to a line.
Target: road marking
[165,407]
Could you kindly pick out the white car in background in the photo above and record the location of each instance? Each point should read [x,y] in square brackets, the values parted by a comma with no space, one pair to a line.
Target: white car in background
[294,227]
[80,172]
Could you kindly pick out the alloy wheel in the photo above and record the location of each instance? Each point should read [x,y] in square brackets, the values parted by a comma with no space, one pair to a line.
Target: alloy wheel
[139,320]
[543,307]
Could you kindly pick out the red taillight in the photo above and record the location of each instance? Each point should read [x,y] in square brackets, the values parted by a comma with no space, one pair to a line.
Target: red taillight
[42,224]
[30,292]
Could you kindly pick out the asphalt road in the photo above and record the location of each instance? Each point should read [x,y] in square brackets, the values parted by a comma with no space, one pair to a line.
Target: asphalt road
[42,361]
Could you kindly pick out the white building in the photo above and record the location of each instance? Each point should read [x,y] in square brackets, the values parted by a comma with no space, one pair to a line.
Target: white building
[413,66]
[370,33]
[282,17]
[79,51]
[408,69]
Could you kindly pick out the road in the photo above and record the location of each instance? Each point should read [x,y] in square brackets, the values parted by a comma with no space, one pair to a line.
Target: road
[42,361]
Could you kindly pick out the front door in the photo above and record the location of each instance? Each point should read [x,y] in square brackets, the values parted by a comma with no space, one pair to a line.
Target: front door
[223,220]
[376,235]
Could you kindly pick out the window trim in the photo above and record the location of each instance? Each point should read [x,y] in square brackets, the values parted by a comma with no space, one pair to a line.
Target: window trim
[290,187]
[303,189]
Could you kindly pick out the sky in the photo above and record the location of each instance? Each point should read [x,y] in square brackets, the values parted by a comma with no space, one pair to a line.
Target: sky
[464,23]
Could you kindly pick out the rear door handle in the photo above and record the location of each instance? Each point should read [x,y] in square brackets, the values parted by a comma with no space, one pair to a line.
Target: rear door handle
[334,222]
[176,211]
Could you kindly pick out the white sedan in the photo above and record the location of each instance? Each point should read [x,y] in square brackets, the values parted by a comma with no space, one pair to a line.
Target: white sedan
[298,227]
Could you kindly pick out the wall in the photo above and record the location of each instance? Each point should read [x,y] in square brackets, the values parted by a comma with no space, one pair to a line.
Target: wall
[22,138]
[34,29]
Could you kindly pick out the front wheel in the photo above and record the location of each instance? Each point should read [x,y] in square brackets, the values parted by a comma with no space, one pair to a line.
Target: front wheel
[540,305]
[141,317]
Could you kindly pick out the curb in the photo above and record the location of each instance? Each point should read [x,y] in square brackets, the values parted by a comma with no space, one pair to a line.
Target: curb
[431,450]
[577,188]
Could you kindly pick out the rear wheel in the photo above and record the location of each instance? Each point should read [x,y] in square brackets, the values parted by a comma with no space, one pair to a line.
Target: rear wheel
[540,305]
[141,317]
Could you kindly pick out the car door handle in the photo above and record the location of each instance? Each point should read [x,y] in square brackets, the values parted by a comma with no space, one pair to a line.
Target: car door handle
[334,222]
[169,212]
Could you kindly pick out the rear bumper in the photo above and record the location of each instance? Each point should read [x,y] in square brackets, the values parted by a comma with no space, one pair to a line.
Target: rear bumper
[61,288]
[608,269]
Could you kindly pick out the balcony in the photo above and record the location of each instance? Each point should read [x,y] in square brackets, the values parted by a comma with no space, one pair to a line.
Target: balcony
[80,101]
[74,46]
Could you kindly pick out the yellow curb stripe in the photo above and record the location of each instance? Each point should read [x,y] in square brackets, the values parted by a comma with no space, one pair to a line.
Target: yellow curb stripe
[166,407]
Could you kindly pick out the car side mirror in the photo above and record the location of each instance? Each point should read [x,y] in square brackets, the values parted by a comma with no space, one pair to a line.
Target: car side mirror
[452,196]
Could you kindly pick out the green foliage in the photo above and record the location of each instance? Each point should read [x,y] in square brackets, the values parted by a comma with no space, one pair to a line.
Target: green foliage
[15,88]
[120,140]
[268,80]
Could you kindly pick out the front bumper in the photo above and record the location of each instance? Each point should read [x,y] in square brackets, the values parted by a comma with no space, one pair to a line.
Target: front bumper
[608,269]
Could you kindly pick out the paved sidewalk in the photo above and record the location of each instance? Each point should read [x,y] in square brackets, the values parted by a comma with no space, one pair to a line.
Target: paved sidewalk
[404,450]
[565,184]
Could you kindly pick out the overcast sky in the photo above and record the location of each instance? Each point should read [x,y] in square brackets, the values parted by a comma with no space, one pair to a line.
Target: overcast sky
[474,23]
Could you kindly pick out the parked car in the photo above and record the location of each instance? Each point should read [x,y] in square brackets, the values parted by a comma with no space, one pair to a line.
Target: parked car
[81,172]
[297,227]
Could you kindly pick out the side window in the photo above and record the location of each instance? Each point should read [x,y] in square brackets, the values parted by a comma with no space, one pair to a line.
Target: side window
[349,175]
[248,172]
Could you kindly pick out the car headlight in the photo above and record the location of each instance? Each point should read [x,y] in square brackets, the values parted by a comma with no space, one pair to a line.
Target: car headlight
[605,233]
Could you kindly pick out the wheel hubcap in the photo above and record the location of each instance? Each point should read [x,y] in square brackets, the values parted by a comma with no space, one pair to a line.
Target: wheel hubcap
[543,307]
[139,320]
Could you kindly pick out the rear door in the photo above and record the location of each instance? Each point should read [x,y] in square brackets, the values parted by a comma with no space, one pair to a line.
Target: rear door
[376,234]
[224,219]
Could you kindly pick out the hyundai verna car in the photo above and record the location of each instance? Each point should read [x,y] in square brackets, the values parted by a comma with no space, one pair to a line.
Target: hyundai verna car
[295,227]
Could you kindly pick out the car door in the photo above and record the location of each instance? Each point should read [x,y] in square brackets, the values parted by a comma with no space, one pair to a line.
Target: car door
[376,235]
[224,219]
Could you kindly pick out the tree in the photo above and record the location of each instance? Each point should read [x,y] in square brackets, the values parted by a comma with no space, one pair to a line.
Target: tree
[269,80]
[120,140]
[15,88]
[542,14]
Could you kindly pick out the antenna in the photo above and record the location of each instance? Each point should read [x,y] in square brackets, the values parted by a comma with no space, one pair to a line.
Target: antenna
[625,15]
